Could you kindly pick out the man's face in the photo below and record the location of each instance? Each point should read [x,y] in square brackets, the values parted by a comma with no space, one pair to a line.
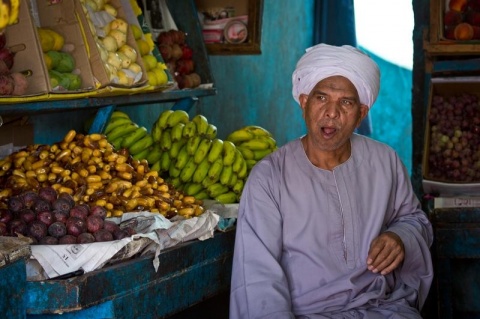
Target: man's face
[332,111]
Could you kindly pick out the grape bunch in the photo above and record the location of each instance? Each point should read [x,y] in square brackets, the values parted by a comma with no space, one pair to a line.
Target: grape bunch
[454,155]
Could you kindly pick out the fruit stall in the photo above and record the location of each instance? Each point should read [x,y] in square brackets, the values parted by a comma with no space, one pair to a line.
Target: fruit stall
[119,220]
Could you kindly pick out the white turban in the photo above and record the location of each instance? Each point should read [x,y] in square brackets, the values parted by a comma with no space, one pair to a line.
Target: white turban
[322,61]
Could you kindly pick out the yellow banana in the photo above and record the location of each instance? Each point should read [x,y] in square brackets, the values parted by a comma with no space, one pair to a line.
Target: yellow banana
[216,150]
[217,189]
[192,144]
[238,187]
[142,144]
[176,147]
[190,130]
[14,10]
[237,164]
[202,171]
[246,152]
[133,137]
[227,198]
[182,157]
[215,169]
[177,131]
[116,122]
[178,116]
[202,124]
[261,154]
[211,131]
[228,153]
[257,130]
[162,119]
[165,162]
[238,136]
[155,154]
[166,140]
[188,170]
[226,174]
[121,131]
[202,150]
[255,144]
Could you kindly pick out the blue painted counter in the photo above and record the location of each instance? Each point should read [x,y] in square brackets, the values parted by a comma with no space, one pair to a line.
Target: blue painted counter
[12,285]
[188,273]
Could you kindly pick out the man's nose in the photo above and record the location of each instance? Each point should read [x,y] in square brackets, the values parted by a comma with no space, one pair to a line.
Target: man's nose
[332,109]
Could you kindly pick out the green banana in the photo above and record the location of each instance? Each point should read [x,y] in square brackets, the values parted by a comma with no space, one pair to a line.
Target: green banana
[182,158]
[133,137]
[211,131]
[142,154]
[176,182]
[208,181]
[190,130]
[202,171]
[177,131]
[188,170]
[156,132]
[226,174]
[216,189]
[117,114]
[261,154]
[176,147]
[166,140]
[192,144]
[202,124]
[155,154]
[270,140]
[173,171]
[202,150]
[255,144]
[246,152]
[228,153]
[121,131]
[142,144]
[243,172]
[178,116]
[216,150]
[117,143]
[113,123]
[193,188]
[202,195]
[257,130]
[250,164]
[233,179]
[156,166]
[165,162]
[163,118]
[238,187]
[215,169]
[241,135]
[237,164]
[227,198]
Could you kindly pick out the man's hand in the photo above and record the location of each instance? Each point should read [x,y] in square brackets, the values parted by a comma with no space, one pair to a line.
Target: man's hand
[386,253]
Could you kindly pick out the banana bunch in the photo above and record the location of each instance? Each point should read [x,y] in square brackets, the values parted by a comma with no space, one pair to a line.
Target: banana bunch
[123,133]
[189,155]
[8,13]
[254,143]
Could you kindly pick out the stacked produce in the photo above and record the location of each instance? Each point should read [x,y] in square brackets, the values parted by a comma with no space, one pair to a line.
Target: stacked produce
[89,169]
[178,56]
[11,83]
[51,218]
[60,63]
[461,20]
[8,13]
[254,142]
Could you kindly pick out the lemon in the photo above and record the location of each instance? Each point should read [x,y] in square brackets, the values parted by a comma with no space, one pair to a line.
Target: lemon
[143,46]
[149,60]
[162,77]
[137,32]
[152,78]
[48,61]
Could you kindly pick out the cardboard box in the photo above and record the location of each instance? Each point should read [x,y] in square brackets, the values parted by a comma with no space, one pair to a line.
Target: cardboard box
[15,135]
[447,184]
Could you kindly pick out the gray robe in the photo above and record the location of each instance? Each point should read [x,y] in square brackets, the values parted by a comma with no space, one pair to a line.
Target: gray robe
[303,236]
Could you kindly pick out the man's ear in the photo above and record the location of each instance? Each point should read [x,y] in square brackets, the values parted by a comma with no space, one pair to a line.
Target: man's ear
[302,99]
[363,113]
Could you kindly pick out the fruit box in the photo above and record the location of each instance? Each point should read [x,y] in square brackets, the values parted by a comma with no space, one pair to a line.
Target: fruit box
[60,16]
[449,182]
[23,36]
[455,21]
[100,71]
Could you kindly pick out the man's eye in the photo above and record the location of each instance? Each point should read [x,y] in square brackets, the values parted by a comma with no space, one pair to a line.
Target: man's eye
[347,103]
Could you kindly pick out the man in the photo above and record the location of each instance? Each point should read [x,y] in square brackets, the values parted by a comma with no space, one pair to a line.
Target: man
[328,225]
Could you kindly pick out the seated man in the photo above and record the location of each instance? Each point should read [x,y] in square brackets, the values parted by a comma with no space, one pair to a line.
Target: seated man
[328,225]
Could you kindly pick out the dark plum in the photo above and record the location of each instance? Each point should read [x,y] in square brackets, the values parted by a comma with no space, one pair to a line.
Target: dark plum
[98,211]
[67,240]
[110,226]
[37,229]
[103,235]
[94,223]
[79,211]
[3,229]
[27,215]
[48,240]
[5,215]
[17,226]
[68,197]
[59,216]
[120,234]
[41,205]
[85,238]
[62,204]
[46,217]
[57,229]
[48,193]
[75,226]
[29,198]
[15,204]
